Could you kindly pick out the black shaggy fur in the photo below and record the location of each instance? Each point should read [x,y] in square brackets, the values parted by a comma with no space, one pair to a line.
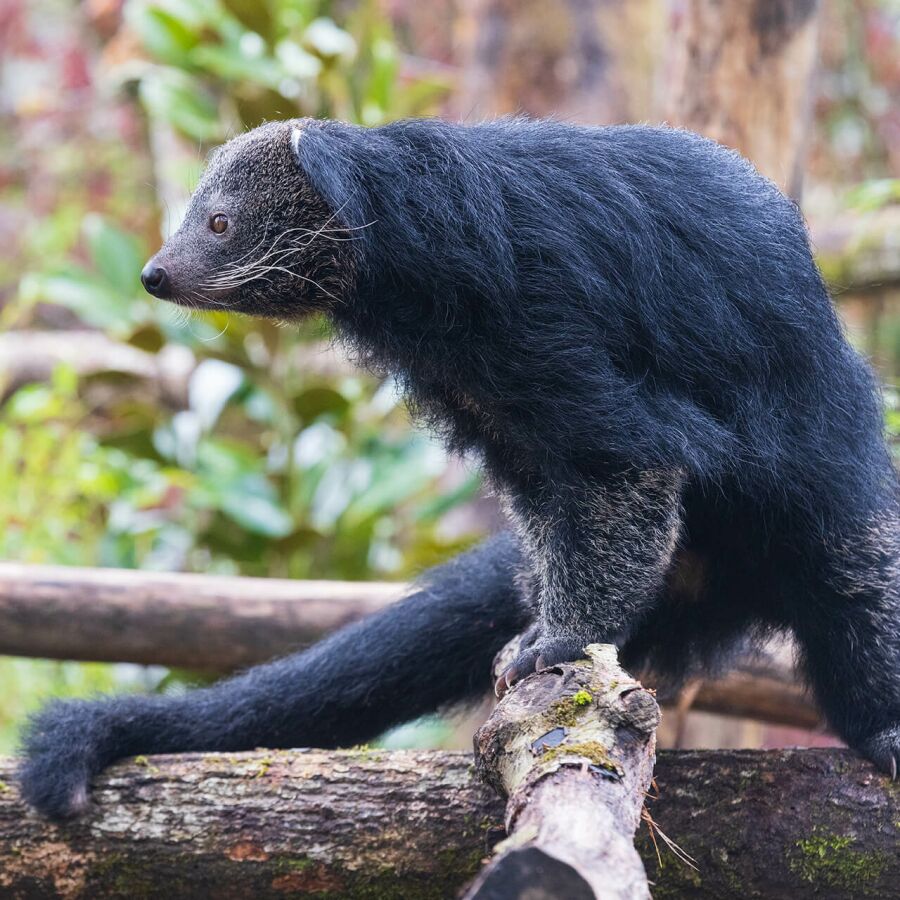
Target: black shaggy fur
[627,326]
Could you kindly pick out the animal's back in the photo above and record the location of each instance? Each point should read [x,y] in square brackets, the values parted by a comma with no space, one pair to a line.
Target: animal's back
[643,276]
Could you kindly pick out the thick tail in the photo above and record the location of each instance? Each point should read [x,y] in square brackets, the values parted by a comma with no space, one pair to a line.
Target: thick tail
[431,649]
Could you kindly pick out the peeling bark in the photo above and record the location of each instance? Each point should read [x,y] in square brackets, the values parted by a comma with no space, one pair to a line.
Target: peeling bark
[572,747]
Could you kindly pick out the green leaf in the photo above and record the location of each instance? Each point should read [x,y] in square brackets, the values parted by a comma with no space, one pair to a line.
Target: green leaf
[318,401]
[254,15]
[327,40]
[164,34]
[257,513]
[33,403]
[183,102]
[229,64]
[115,254]
[874,194]
[89,297]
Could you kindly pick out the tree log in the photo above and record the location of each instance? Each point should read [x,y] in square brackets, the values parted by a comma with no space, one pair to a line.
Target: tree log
[220,624]
[203,622]
[774,824]
[762,685]
[784,825]
[572,748]
[859,253]
[30,356]
[741,73]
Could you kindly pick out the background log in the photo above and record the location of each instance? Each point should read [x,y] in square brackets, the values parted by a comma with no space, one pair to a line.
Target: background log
[362,824]
[762,685]
[219,624]
[30,356]
[203,622]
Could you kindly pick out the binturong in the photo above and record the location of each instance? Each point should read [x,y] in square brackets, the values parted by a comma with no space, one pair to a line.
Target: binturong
[626,327]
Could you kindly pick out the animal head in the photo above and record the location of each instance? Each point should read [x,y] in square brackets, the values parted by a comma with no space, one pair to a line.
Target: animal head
[256,237]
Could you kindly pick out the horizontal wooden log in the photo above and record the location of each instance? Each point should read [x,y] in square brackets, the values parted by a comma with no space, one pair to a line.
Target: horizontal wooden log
[778,824]
[219,624]
[32,356]
[859,252]
[203,622]
[751,692]
[372,823]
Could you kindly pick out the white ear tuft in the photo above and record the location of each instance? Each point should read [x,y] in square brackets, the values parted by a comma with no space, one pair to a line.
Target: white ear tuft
[296,133]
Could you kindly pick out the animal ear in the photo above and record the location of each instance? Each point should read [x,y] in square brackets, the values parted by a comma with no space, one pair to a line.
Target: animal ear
[329,154]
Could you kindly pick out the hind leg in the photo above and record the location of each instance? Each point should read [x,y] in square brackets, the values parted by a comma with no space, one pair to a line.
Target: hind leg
[853,663]
[849,632]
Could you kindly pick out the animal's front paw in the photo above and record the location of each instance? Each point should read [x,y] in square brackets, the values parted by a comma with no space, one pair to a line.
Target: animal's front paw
[544,653]
[883,749]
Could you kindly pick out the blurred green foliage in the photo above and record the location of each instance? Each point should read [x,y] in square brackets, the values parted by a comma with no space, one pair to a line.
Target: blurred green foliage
[268,469]
[219,65]
[873,194]
[274,464]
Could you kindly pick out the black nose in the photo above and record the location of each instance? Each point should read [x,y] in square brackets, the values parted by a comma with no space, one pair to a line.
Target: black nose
[156,280]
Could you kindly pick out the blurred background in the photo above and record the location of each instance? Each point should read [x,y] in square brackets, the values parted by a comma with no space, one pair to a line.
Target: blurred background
[134,435]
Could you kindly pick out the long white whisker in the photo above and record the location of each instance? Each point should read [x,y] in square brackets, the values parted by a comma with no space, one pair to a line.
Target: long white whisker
[247,272]
[238,273]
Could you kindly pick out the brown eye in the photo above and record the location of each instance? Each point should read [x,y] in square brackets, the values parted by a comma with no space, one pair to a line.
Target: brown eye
[218,222]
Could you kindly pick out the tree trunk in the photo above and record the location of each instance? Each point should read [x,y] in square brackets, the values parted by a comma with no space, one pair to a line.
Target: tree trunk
[572,748]
[582,60]
[740,72]
[784,825]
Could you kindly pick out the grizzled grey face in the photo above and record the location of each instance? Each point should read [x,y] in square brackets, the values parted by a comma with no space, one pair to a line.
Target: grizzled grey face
[256,238]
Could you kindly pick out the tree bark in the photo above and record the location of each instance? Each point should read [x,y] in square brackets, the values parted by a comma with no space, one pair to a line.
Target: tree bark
[741,73]
[774,824]
[572,748]
[582,60]
[784,825]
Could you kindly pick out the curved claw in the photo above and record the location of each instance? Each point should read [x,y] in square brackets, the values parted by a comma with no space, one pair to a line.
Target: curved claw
[523,665]
[544,654]
[884,750]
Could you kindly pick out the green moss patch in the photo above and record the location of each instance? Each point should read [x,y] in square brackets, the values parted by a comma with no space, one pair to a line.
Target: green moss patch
[830,860]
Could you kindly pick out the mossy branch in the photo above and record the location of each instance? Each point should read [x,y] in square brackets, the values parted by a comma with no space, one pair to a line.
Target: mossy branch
[572,747]
[364,824]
